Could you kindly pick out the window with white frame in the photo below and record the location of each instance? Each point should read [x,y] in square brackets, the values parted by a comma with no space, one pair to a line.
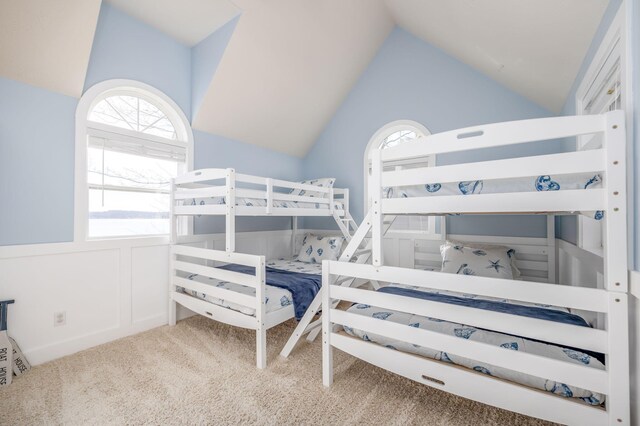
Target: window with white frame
[602,89]
[135,141]
[390,135]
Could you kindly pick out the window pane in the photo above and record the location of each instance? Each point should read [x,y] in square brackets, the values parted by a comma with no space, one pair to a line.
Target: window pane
[398,137]
[121,169]
[122,213]
[133,113]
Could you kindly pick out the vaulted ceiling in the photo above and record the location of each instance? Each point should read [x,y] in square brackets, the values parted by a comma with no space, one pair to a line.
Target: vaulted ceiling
[533,47]
[289,64]
[47,43]
[288,67]
[188,21]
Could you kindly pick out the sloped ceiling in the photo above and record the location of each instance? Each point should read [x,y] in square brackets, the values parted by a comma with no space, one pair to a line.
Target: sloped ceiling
[533,47]
[288,67]
[289,64]
[188,21]
[47,43]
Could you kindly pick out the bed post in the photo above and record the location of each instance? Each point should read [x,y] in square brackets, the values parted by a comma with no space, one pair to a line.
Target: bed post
[173,240]
[327,350]
[375,189]
[615,269]
[552,268]
[294,232]
[345,202]
[261,329]
[230,223]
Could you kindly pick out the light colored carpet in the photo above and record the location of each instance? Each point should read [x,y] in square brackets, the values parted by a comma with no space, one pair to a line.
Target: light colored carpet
[202,372]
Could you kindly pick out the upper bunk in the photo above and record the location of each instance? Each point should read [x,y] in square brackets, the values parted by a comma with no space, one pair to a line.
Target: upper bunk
[225,192]
[590,180]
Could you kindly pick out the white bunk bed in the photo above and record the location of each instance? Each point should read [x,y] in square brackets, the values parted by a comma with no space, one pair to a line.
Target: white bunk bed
[604,155]
[198,278]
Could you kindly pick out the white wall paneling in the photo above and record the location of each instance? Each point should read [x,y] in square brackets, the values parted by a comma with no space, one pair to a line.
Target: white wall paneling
[108,289]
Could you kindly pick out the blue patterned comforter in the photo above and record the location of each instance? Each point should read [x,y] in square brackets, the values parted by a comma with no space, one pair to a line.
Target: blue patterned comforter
[303,286]
[506,341]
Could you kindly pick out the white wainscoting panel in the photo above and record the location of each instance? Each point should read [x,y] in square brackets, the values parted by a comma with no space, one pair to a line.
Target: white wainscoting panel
[149,269]
[108,289]
[84,285]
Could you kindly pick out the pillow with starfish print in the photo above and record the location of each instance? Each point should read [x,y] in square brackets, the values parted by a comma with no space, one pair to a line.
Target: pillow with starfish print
[478,259]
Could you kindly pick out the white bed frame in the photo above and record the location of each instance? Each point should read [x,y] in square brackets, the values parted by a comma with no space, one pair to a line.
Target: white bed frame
[205,261]
[609,300]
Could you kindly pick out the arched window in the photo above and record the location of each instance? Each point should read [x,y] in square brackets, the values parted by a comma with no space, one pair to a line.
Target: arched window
[390,135]
[131,139]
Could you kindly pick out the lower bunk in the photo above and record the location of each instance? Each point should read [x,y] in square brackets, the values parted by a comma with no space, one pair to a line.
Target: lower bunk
[244,290]
[501,340]
[506,343]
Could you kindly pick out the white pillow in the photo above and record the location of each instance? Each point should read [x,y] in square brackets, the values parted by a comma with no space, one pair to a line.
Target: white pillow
[323,183]
[315,248]
[479,259]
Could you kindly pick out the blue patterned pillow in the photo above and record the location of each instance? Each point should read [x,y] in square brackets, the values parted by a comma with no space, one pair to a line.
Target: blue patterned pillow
[323,183]
[315,248]
[481,260]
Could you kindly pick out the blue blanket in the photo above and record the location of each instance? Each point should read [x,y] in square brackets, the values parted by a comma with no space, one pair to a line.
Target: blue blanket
[490,305]
[303,287]
[507,308]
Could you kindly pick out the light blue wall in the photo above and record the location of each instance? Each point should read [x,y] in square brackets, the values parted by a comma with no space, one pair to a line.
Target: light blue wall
[124,47]
[410,79]
[216,151]
[205,58]
[37,130]
[567,226]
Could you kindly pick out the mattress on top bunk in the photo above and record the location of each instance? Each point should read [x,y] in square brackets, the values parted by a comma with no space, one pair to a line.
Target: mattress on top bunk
[259,202]
[276,298]
[501,186]
[508,342]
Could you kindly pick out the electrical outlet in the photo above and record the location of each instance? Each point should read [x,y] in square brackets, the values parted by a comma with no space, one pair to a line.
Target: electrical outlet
[59,318]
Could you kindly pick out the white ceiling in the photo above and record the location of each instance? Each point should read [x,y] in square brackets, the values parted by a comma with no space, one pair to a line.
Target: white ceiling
[533,47]
[288,67]
[47,43]
[188,21]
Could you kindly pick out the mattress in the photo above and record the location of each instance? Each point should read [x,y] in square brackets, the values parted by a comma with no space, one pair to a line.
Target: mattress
[500,186]
[275,298]
[494,338]
[260,202]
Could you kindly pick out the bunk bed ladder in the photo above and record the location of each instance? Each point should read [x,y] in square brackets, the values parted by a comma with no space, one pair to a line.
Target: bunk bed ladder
[359,251]
[346,224]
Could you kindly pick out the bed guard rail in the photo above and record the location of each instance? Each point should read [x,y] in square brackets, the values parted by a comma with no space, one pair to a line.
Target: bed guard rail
[188,263]
[211,183]
[607,156]
[611,341]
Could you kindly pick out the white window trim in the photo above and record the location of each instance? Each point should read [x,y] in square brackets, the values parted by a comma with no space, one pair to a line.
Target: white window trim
[88,100]
[376,141]
[617,29]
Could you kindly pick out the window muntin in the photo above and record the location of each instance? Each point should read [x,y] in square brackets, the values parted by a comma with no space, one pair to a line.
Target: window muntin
[398,138]
[133,151]
[133,113]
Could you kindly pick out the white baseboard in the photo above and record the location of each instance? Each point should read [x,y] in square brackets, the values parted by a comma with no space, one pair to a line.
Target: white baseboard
[68,347]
